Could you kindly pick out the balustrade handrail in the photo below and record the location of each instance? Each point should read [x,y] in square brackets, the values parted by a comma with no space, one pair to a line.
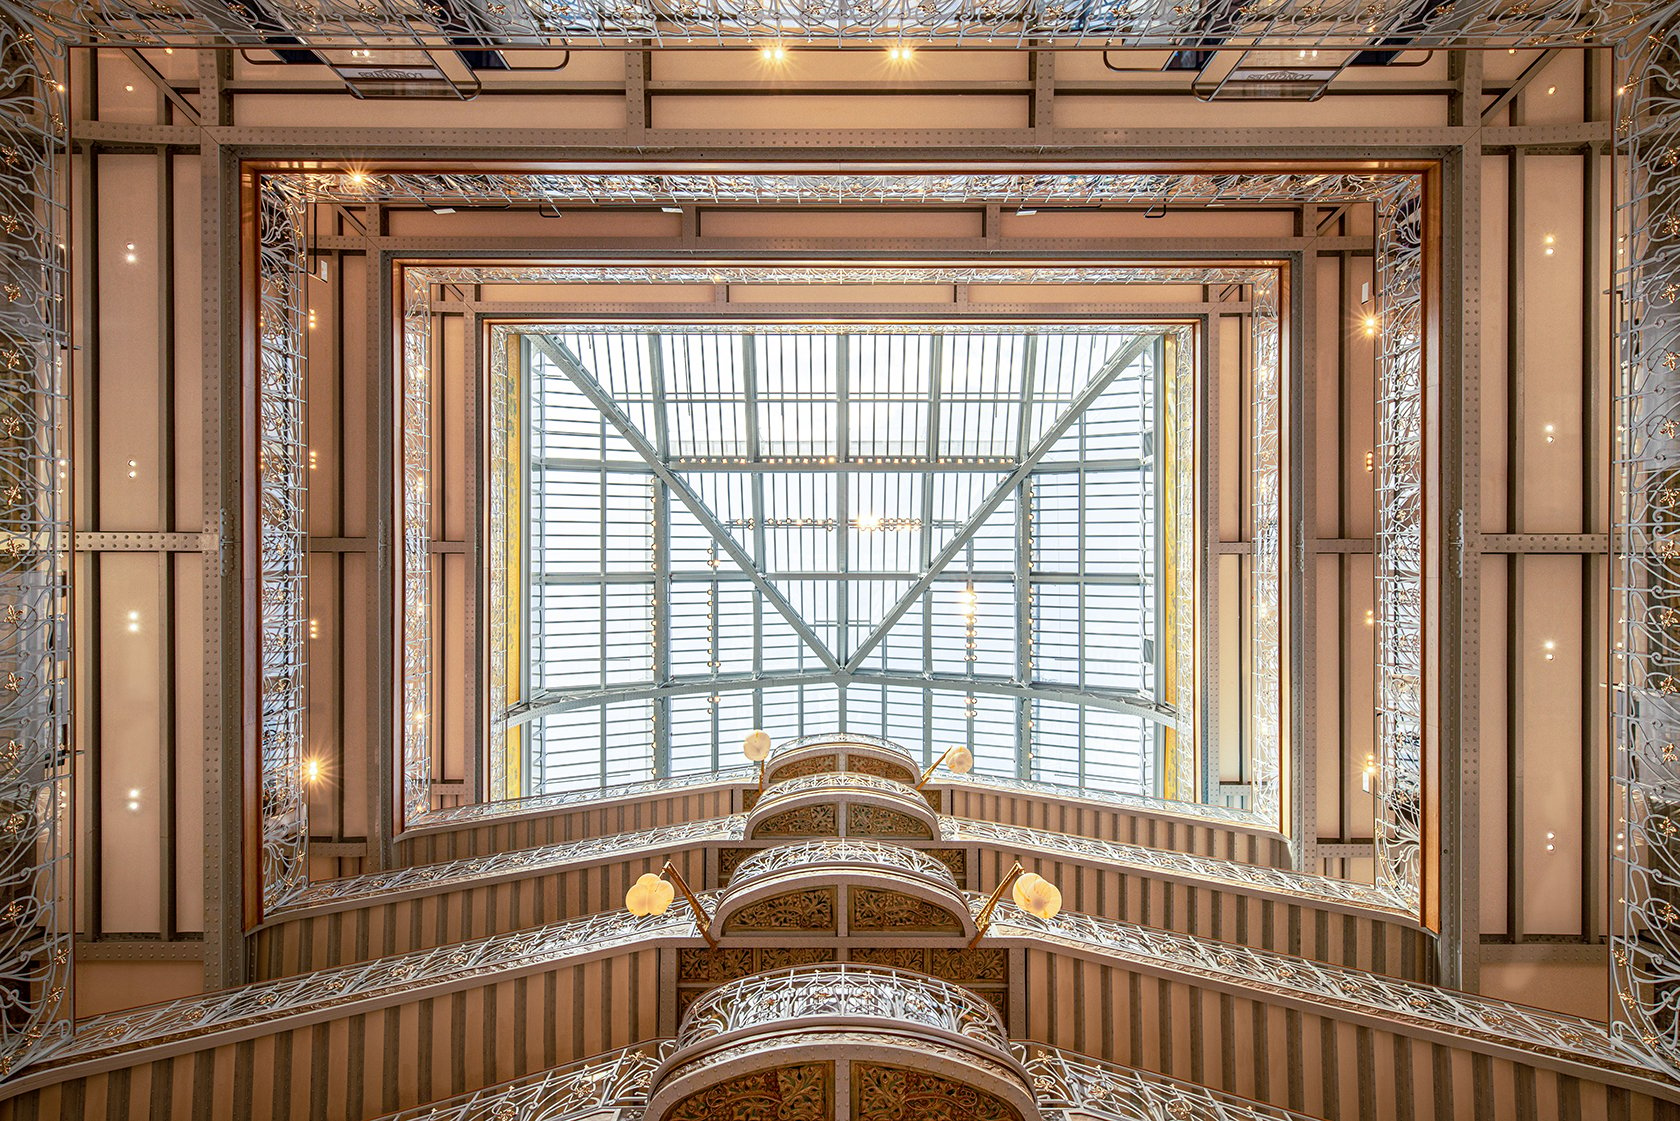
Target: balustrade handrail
[841,991]
[806,854]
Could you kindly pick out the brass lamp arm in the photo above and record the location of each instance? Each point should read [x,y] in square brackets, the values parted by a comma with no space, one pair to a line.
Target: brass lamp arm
[701,919]
[983,921]
[927,774]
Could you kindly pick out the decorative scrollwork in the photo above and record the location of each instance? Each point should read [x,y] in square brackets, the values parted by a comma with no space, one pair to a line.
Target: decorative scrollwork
[1453,1013]
[887,1093]
[616,1081]
[1205,870]
[842,990]
[793,911]
[865,820]
[1159,24]
[281,546]
[806,821]
[892,910]
[792,1093]
[811,854]
[36,872]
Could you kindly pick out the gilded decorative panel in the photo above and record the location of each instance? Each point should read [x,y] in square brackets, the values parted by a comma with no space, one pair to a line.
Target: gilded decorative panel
[864,820]
[713,965]
[893,957]
[816,765]
[796,1093]
[807,821]
[885,768]
[727,964]
[883,1093]
[977,964]
[892,910]
[954,859]
[797,910]
[781,957]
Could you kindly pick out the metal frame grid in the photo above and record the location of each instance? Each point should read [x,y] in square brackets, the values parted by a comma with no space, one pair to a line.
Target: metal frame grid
[36,870]
[1645,779]
[502,376]
[700,23]
[781,518]
[1398,195]
[1266,356]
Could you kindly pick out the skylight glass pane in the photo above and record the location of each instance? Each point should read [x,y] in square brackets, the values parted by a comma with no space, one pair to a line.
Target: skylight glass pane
[678,471]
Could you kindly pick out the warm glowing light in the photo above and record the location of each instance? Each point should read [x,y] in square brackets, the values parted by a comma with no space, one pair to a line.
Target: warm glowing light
[1370,462]
[756,746]
[901,53]
[1037,896]
[1370,326]
[773,53]
[869,521]
[1370,617]
[650,895]
[1551,433]
[1550,90]
[311,770]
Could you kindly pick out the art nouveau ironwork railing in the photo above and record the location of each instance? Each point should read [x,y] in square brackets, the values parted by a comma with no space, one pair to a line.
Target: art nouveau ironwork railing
[477,870]
[326,988]
[816,854]
[1263,971]
[1063,1081]
[590,1089]
[842,990]
[1207,870]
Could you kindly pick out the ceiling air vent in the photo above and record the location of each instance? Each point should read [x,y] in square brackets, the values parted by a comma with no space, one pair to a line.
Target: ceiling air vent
[1288,75]
[404,73]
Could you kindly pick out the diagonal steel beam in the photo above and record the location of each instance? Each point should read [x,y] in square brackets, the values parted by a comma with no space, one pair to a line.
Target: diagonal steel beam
[1105,376]
[590,388]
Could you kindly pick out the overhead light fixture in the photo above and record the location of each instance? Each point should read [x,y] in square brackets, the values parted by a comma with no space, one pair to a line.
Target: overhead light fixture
[957,757]
[443,210]
[1032,893]
[1025,211]
[672,209]
[756,747]
[652,895]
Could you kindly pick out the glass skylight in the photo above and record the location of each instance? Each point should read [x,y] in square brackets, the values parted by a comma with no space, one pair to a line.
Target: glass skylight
[940,534]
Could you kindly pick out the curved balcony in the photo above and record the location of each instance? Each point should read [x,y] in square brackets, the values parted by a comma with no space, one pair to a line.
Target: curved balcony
[840,888]
[842,805]
[839,1041]
[822,754]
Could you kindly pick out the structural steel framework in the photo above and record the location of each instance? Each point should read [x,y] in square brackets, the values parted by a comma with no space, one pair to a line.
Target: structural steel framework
[1647,699]
[1173,701]
[899,459]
